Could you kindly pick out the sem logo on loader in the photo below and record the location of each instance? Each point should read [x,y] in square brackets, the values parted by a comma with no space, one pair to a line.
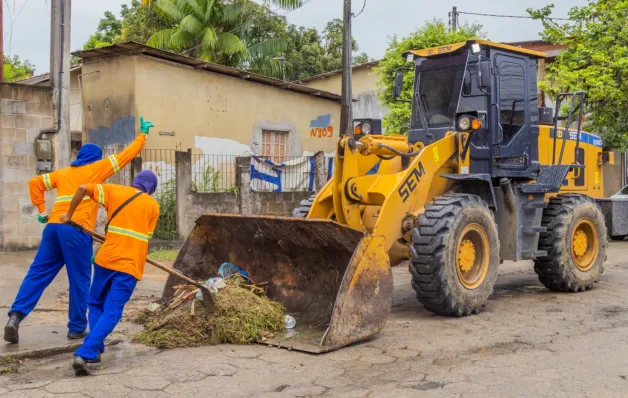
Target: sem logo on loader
[410,184]
[439,50]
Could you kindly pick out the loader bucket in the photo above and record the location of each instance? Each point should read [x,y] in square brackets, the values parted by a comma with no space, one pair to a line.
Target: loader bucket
[332,279]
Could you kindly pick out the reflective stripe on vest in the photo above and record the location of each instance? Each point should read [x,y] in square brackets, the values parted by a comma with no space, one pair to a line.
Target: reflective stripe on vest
[128,232]
[114,163]
[47,183]
[68,198]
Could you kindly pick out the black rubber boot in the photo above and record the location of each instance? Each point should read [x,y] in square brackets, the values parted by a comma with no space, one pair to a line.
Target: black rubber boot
[80,366]
[11,334]
[76,336]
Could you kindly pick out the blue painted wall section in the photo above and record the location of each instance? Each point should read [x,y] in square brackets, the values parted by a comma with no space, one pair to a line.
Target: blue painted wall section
[321,121]
[122,131]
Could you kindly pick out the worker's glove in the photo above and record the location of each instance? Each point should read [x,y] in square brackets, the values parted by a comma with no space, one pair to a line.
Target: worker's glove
[42,218]
[145,125]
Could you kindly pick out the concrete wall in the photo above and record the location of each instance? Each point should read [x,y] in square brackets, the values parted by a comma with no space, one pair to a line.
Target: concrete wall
[109,102]
[364,89]
[76,108]
[24,112]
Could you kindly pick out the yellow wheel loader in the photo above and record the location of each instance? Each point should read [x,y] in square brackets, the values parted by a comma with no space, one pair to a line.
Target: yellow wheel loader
[482,175]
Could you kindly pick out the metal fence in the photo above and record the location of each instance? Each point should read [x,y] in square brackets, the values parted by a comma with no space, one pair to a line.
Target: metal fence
[214,173]
[162,163]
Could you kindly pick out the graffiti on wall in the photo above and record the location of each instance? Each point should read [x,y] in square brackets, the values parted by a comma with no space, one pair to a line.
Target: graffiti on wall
[321,127]
[115,137]
[293,175]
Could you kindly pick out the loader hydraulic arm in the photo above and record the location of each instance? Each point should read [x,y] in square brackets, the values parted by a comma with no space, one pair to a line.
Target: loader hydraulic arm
[389,197]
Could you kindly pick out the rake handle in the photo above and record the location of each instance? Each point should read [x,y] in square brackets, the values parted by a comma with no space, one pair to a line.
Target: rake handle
[101,239]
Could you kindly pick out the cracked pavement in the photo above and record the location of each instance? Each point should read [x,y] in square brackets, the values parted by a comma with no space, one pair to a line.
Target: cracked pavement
[528,342]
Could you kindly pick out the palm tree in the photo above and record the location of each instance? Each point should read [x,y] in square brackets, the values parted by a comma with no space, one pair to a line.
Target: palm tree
[217,31]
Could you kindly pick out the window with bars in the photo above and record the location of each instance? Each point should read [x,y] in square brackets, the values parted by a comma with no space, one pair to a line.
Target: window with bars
[274,145]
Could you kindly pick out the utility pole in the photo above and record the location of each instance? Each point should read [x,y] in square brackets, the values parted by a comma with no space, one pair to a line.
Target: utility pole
[454,19]
[346,118]
[60,79]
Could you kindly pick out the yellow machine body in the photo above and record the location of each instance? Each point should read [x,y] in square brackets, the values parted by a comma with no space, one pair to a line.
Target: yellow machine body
[332,270]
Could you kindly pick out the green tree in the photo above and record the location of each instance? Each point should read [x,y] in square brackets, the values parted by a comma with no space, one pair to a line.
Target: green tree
[595,61]
[435,33]
[305,53]
[217,31]
[332,42]
[139,23]
[15,69]
[108,32]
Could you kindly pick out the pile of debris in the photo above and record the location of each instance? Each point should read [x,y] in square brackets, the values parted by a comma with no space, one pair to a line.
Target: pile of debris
[243,315]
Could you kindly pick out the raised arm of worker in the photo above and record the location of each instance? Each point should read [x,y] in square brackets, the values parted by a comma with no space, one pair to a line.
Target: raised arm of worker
[37,187]
[114,163]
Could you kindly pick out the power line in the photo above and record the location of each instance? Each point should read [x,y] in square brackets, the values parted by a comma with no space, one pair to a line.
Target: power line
[508,16]
[361,11]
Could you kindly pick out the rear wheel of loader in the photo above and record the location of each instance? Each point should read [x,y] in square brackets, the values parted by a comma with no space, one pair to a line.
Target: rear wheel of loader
[575,243]
[455,255]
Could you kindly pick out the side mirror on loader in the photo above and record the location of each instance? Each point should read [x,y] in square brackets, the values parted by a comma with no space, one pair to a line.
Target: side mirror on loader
[398,87]
[484,77]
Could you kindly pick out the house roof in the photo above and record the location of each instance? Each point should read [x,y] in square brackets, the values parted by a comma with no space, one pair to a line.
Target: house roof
[132,48]
[44,77]
[335,72]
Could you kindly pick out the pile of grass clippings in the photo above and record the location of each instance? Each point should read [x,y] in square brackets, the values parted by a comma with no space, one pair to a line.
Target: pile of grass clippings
[243,315]
[9,364]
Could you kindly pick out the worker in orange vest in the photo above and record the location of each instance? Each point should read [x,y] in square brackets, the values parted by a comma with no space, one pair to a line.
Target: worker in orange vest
[62,244]
[132,216]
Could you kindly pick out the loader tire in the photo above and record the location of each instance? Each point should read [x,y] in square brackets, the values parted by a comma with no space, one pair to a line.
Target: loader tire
[304,207]
[575,243]
[618,238]
[455,255]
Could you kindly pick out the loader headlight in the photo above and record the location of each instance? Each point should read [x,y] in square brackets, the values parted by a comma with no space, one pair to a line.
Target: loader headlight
[366,128]
[466,123]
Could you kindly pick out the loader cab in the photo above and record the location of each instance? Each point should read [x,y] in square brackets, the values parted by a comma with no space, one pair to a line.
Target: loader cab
[493,82]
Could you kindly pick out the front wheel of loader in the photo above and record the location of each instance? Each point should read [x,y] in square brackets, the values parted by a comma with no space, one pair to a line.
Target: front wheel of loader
[455,255]
[575,243]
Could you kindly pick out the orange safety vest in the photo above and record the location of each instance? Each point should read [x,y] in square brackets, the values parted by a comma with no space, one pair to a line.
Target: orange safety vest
[67,181]
[126,241]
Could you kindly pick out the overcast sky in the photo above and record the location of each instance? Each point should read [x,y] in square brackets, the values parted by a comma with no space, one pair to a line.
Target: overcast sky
[380,20]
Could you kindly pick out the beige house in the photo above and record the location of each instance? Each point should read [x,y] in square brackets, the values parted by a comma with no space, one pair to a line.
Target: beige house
[209,108]
[364,89]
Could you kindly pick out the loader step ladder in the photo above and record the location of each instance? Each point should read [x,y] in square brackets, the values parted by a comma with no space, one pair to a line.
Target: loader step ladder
[552,177]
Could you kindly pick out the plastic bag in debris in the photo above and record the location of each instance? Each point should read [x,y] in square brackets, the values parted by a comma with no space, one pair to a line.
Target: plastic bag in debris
[214,285]
[227,270]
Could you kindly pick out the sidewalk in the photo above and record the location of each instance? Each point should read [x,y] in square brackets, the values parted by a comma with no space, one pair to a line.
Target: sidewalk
[43,332]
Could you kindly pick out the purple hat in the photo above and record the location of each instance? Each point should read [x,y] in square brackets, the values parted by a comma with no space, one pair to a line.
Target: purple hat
[146,181]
